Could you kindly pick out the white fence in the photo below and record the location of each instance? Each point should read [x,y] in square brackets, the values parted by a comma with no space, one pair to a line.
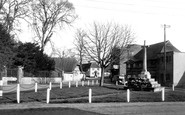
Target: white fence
[31,80]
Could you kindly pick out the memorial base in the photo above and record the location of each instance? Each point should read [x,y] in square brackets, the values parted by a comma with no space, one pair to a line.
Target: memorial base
[145,75]
[155,86]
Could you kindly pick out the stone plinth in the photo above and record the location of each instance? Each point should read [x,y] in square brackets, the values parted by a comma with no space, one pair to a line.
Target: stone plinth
[145,75]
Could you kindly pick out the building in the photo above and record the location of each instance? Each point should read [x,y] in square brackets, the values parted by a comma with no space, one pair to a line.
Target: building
[91,69]
[128,54]
[175,64]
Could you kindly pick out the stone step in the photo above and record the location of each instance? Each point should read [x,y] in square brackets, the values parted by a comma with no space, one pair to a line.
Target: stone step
[157,89]
[156,85]
[151,80]
[154,82]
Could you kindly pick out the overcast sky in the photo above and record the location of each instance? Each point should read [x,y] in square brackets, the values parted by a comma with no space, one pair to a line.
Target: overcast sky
[145,17]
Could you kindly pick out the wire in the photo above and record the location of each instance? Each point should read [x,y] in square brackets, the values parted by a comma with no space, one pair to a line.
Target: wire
[133,6]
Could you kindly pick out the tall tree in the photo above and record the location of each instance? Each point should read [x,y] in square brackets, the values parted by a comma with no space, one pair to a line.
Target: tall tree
[7,45]
[12,12]
[32,59]
[48,15]
[101,41]
[79,45]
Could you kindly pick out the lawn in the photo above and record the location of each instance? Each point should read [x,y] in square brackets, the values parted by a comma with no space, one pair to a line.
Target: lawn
[100,94]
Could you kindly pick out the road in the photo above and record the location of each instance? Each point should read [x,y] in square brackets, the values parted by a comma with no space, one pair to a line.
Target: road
[159,108]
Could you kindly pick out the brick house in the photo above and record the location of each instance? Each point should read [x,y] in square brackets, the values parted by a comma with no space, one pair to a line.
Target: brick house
[175,64]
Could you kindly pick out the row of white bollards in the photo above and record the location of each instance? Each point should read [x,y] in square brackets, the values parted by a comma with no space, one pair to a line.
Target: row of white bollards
[83,83]
[90,93]
[48,95]
[162,92]
[69,84]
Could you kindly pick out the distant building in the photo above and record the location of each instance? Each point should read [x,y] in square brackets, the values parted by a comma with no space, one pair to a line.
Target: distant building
[175,62]
[68,69]
[66,65]
[128,54]
[91,69]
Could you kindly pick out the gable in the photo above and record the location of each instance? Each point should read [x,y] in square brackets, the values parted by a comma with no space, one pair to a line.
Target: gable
[155,49]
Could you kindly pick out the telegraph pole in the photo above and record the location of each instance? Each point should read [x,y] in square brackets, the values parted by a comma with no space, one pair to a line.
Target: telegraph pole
[165,26]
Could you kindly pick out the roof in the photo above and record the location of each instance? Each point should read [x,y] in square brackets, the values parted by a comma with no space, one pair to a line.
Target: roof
[94,65]
[87,66]
[66,64]
[155,49]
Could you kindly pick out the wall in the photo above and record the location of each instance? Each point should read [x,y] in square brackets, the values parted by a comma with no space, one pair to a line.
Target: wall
[179,69]
[6,79]
[92,70]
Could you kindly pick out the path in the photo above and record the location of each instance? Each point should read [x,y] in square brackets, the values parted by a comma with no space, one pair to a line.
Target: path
[160,108]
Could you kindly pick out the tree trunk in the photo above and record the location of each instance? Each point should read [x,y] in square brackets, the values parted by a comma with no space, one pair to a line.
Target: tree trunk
[102,77]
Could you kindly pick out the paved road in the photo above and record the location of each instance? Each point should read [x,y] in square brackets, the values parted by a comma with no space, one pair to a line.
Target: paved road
[159,108]
[47,111]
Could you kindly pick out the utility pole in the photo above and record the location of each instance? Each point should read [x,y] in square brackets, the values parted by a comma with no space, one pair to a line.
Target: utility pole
[165,26]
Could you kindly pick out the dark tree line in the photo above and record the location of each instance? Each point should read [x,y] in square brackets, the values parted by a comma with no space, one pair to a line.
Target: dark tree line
[28,55]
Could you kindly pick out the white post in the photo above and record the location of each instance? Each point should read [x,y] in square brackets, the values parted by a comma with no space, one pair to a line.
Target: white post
[163,94]
[18,93]
[90,95]
[76,83]
[88,82]
[173,87]
[116,82]
[50,85]
[60,84]
[96,82]
[48,95]
[82,83]
[92,82]
[128,95]
[36,86]
[69,84]
[1,88]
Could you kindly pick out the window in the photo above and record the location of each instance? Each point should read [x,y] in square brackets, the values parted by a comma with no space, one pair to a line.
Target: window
[162,59]
[166,59]
[131,65]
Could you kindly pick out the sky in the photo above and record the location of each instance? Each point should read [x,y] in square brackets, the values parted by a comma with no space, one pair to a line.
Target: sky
[145,17]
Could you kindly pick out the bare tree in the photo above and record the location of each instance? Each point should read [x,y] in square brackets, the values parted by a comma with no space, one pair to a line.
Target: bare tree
[102,40]
[12,12]
[79,45]
[48,15]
